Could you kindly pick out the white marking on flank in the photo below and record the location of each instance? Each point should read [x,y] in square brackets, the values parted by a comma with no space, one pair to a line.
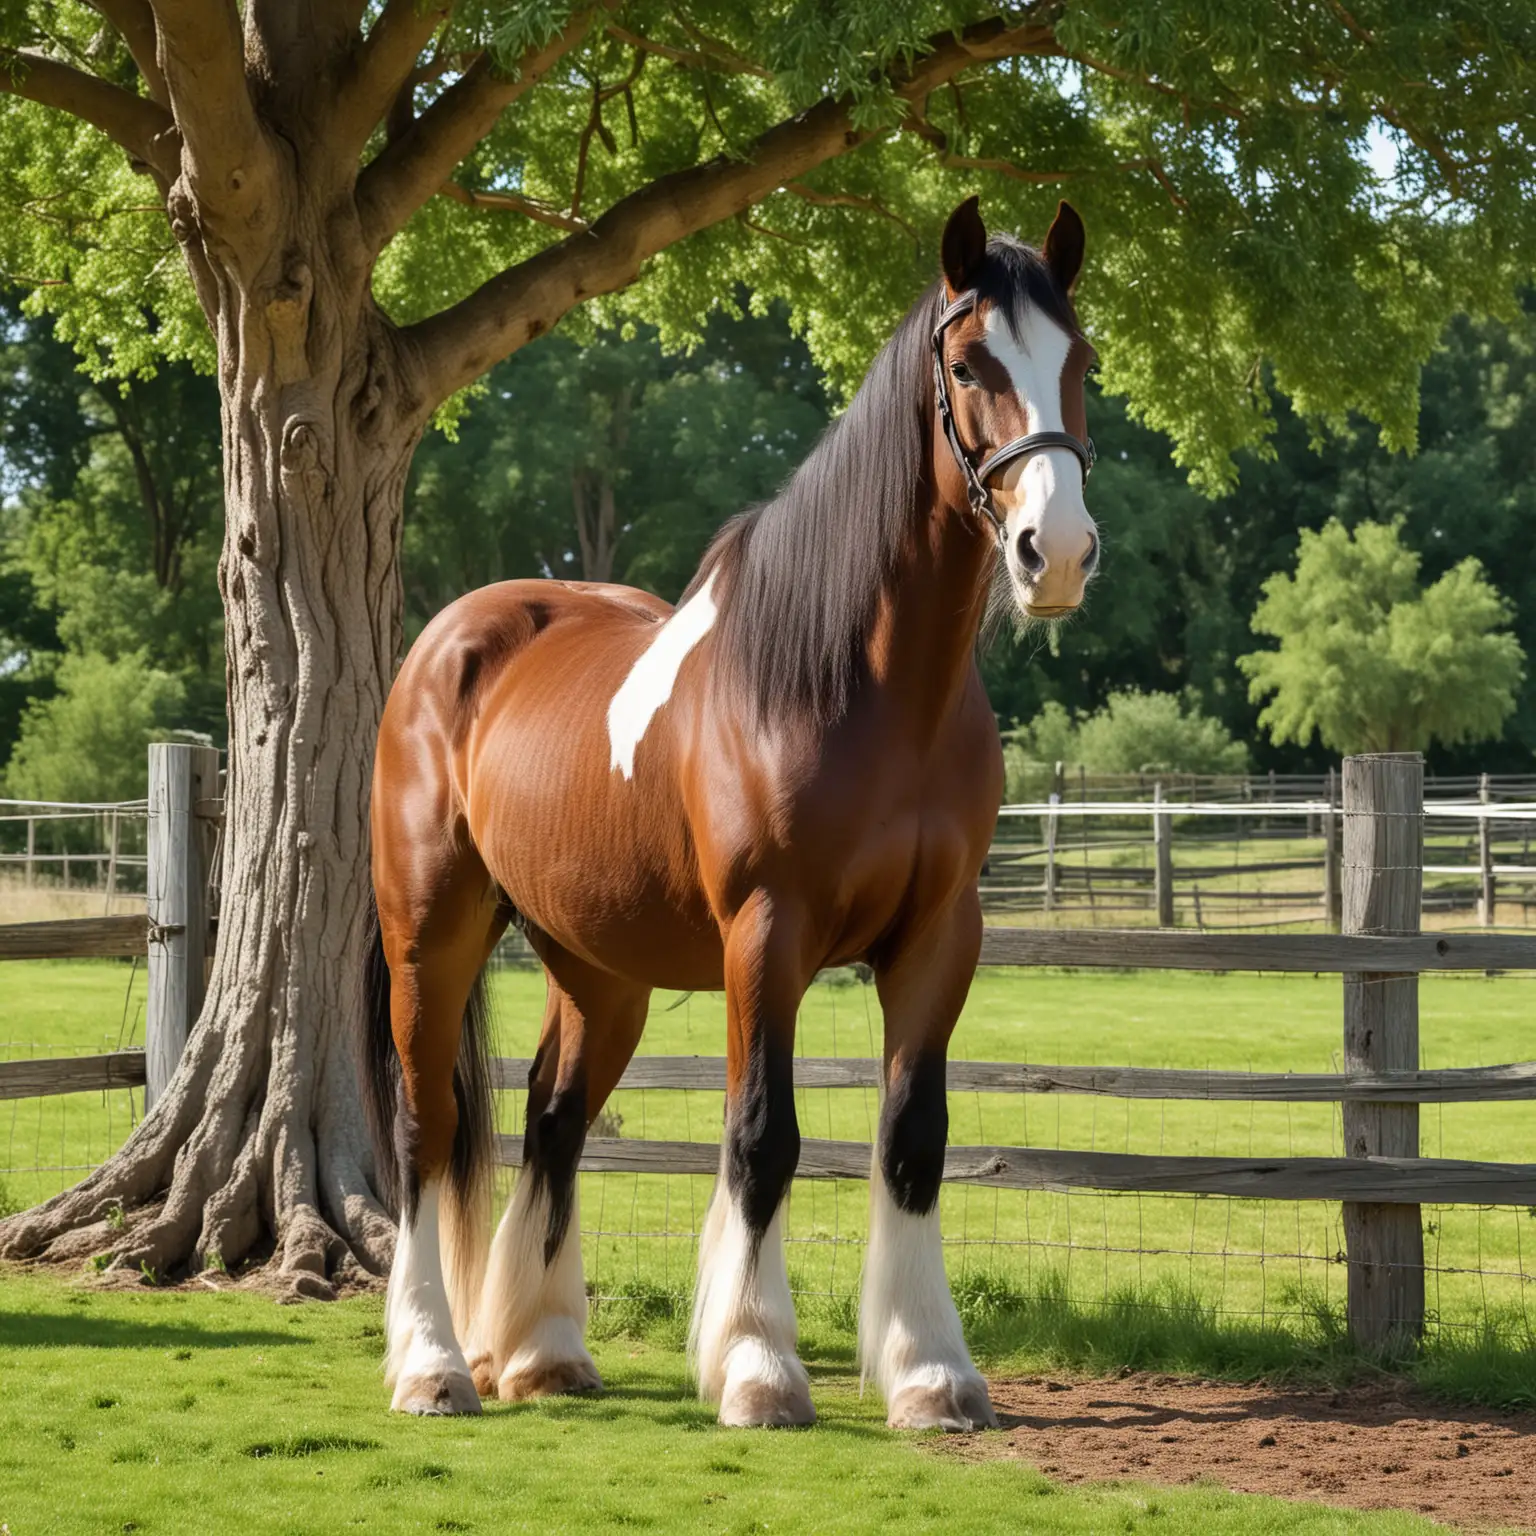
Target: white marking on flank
[653,676]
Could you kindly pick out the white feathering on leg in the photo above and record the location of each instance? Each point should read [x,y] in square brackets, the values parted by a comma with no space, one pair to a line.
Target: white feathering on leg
[532,1313]
[742,1337]
[909,1331]
[418,1321]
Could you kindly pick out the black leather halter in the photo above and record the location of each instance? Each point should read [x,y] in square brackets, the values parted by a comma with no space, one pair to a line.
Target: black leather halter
[976,480]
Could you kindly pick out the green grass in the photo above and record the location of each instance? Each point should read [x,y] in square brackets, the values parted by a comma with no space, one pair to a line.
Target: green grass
[179,1411]
[1097,1249]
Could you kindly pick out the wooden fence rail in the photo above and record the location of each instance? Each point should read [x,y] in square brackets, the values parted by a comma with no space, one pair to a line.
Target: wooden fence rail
[1446,1085]
[1380,1181]
[41,1077]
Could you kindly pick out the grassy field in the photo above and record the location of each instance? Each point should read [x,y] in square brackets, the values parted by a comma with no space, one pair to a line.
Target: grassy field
[187,1411]
[1252,1262]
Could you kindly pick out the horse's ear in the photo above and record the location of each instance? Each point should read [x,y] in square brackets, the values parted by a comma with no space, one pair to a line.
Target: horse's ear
[964,247]
[1063,248]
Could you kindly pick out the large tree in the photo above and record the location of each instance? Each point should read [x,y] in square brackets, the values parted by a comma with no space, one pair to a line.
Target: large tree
[376,200]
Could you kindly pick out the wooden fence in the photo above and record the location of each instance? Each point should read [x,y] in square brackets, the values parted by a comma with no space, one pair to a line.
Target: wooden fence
[1382,1181]
[174,937]
[1112,856]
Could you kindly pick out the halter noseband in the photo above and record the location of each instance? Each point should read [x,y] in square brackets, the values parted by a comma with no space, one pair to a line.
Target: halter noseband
[977,488]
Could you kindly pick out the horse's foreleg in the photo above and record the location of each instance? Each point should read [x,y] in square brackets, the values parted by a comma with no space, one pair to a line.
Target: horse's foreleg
[742,1341]
[910,1339]
[533,1309]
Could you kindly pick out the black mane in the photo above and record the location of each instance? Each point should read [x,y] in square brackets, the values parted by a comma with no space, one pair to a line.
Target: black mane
[800,575]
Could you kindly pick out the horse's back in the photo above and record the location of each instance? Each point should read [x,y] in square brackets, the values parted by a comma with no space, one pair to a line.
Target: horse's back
[509,690]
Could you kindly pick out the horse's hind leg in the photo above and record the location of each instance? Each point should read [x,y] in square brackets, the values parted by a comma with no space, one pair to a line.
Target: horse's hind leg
[910,1338]
[528,1333]
[437,934]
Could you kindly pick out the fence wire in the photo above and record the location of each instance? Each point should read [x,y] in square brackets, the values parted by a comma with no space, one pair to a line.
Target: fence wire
[1263,1262]
[1269,1262]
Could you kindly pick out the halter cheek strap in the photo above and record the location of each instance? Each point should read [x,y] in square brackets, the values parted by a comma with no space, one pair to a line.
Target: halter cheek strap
[977,480]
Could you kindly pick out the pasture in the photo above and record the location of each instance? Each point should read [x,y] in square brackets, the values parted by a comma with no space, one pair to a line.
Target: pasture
[161,1412]
[1248,1264]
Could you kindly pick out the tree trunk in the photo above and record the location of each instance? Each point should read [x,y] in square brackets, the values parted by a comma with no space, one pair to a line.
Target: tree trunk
[259,1144]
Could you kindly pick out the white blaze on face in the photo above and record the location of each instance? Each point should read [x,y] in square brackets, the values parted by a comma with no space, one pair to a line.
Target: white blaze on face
[653,676]
[1042,493]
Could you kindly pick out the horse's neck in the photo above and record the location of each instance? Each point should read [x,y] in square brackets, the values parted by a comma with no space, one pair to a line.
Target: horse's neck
[923,642]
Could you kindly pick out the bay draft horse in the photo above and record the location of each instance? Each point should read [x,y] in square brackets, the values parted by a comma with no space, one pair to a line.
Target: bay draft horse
[795,768]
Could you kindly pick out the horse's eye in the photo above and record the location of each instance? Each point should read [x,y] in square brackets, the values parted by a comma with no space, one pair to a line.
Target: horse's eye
[962,374]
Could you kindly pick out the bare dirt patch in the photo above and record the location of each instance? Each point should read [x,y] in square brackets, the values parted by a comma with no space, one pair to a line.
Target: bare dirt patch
[1366,1447]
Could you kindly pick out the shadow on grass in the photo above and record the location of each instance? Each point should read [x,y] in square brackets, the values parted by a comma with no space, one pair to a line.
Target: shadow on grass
[66,1330]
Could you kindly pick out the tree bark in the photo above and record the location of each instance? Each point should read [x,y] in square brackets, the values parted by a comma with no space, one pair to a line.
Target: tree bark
[258,1144]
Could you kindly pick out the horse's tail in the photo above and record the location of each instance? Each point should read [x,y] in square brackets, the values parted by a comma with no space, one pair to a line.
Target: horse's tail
[466,1204]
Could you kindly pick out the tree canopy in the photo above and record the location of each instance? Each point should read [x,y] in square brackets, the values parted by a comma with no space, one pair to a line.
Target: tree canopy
[538,154]
[1373,662]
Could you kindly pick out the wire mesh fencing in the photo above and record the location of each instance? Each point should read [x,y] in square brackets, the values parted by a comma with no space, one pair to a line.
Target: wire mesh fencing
[1266,1262]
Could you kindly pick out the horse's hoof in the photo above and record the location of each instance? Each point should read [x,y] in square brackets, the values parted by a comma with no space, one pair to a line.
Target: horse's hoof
[756,1405]
[482,1371]
[956,1408]
[554,1378]
[441,1393]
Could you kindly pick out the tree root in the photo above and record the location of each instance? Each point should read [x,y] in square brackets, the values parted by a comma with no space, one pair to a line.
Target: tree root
[241,1149]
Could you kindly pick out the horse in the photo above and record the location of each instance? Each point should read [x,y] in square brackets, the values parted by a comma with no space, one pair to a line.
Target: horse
[797,767]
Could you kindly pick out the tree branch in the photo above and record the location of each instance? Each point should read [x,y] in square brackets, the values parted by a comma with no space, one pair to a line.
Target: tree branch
[135,24]
[1130,77]
[1429,144]
[143,127]
[415,167]
[723,62]
[846,200]
[225,157]
[385,62]
[459,344]
[918,123]
[511,202]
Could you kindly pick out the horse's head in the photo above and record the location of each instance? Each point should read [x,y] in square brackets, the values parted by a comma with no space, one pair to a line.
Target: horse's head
[1011,364]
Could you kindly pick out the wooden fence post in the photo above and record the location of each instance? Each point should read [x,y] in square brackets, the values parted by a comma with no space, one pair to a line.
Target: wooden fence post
[1332,909]
[178,850]
[1050,852]
[1488,901]
[1383,889]
[1162,848]
[31,849]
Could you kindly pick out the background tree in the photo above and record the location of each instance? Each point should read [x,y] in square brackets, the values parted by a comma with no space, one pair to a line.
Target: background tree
[376,202]
[1131,732]
[608,459]
[110,515]
[1183,573]
[1373,662]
